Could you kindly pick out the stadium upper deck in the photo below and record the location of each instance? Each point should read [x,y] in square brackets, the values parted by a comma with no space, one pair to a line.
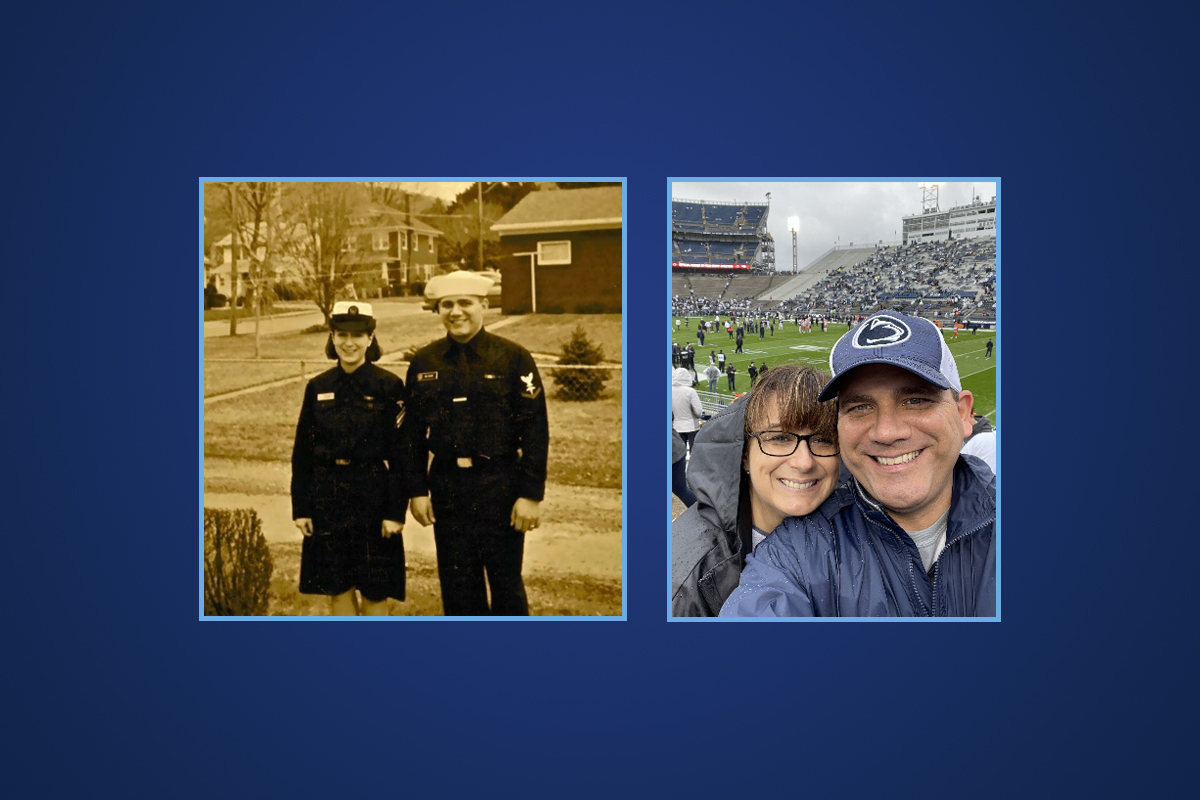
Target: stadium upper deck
[717,235]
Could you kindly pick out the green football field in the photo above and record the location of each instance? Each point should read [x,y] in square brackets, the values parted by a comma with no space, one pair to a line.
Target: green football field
[978,374]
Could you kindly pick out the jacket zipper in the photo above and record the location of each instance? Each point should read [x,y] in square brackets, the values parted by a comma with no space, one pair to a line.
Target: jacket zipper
[937,562]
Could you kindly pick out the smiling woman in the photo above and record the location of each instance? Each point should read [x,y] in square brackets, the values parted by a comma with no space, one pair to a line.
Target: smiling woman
[347,497]
[764,458]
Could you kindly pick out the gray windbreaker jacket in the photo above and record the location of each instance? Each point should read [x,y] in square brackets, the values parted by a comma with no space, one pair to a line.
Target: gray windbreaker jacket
[710,540]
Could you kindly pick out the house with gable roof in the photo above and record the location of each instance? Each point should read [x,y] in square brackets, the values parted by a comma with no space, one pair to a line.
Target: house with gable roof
[562,251]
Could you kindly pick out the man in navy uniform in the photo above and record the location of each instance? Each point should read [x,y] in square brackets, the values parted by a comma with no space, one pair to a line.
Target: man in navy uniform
[477,404]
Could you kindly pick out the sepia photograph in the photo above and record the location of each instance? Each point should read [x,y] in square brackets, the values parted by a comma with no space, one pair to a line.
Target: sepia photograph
[835,416]
[412,399]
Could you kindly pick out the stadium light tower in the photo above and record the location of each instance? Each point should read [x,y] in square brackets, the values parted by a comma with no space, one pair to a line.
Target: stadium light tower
[793,226]
[929,195]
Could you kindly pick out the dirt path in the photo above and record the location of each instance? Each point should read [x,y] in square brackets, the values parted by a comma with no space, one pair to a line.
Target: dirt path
[580,532]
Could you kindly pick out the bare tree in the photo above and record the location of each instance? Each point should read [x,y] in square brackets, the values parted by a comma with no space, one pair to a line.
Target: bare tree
[316,234]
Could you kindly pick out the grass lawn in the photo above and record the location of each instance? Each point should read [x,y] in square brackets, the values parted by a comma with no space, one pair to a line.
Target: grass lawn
[538,333]
[546,333]
[585,437]
[978,374]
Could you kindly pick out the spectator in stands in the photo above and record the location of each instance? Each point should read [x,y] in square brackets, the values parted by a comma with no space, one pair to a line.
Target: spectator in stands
[685,406]
[746,483]
[918,519]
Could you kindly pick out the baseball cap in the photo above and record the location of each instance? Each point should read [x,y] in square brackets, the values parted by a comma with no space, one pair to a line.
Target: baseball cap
[351,315]
[458,283]
[889,337]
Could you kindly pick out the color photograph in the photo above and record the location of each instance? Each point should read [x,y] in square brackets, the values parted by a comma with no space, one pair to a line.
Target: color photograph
[834,399]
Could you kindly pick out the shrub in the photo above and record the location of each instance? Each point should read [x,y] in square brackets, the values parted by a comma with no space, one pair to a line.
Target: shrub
[580,384]
[553,310]
[416,288]
[237,563]
[590,308]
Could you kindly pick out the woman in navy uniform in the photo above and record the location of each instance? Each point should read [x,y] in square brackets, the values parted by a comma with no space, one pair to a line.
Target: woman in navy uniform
[476,404]
[348,495]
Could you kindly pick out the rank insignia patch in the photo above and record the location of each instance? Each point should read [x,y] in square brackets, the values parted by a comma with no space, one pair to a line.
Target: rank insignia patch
[530,390]
[427,376]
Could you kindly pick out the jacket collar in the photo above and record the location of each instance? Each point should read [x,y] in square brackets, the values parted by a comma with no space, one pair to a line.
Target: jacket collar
[972,504]
[478,344]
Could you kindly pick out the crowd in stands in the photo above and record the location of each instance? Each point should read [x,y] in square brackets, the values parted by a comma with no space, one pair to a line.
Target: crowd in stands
[954,279]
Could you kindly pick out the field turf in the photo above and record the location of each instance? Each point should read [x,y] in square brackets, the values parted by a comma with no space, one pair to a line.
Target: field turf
[978,374]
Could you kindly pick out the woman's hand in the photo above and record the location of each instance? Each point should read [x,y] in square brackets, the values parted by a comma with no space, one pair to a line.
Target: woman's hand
[422,510]
[304,524]
[391,527]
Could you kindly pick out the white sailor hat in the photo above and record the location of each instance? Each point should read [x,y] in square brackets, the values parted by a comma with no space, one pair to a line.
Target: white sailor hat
[458,283]
[351,315]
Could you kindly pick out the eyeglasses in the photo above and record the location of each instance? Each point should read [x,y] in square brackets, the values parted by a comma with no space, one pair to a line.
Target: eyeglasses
[781,443]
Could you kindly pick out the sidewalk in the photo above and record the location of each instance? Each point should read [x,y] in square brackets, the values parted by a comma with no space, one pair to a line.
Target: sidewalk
[567,541]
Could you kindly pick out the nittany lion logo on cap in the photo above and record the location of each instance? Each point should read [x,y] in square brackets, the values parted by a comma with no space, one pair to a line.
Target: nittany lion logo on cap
[882,331]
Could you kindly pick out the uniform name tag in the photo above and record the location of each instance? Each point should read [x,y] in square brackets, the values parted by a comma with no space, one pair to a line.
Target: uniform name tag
[460,399]
[427,376]
[325,396]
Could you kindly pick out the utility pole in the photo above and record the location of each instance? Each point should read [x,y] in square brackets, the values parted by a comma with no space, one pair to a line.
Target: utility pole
[406,259]
[233,267]
[480,195]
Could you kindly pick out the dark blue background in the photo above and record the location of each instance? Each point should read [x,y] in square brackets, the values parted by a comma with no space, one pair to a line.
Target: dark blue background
[116,111]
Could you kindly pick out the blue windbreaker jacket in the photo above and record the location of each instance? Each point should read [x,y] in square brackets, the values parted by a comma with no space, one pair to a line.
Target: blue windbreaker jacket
[849,559]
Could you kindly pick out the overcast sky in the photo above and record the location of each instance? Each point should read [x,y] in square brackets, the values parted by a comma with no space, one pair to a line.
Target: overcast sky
[446,190]
[855,212]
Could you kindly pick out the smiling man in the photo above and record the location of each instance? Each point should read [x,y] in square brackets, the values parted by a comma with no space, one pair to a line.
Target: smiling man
[476,403]
[913,533]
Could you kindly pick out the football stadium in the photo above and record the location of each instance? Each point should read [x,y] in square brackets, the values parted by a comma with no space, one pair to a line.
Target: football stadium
[736,308]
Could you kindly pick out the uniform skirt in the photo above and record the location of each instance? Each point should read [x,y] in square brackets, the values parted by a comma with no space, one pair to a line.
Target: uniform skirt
[347,549]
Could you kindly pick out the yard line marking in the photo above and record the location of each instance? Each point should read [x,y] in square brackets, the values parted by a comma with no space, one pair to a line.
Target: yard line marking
[976,372]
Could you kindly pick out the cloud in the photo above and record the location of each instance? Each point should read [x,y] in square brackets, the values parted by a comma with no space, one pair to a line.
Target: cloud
[832,212]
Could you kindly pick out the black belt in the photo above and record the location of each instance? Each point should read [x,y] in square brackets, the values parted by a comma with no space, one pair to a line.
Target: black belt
[349,464]
[449,461]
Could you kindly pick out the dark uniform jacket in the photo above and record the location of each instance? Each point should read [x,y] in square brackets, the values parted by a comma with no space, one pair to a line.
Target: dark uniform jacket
[481,400]
[349,422]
